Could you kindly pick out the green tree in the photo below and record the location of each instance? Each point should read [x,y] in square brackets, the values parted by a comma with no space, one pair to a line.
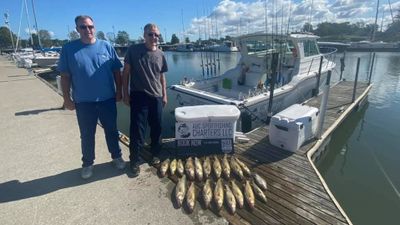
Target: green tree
[174,39]
[393,31]
[58,42]
[122,38]
[307,27]
[100,35]
[73,35]
[5,38]
[187,40]
[45,38]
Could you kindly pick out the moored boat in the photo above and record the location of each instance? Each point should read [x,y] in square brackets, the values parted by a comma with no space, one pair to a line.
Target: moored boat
[248,85]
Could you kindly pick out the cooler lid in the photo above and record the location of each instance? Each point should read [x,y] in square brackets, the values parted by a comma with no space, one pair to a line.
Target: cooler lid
[207,113]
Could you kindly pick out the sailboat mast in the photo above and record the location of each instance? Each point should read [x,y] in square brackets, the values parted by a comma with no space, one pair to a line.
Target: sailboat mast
[376,21]
[37,28]
[29,23]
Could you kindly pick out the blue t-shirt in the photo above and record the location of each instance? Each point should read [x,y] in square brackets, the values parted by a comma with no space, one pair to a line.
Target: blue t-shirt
[90,67]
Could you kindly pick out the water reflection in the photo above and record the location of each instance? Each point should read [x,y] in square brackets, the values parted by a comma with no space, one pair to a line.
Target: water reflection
[361,165]
[338,148]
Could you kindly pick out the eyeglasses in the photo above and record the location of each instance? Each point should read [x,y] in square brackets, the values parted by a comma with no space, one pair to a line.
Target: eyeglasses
[83,27]
[153,35]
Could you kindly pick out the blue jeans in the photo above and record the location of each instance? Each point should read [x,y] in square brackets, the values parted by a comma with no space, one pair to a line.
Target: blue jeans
[145,109]
[88,113]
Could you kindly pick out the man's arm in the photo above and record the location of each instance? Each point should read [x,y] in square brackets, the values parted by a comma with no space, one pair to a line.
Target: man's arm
[125,83]
[65,86]
[118,85]
[164,89]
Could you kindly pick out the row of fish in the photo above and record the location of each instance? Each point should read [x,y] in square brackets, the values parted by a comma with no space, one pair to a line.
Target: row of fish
[233,197]
[202,170]
[230,192]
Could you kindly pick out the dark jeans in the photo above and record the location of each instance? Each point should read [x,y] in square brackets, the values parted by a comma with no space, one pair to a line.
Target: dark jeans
[88,113]
[145,110]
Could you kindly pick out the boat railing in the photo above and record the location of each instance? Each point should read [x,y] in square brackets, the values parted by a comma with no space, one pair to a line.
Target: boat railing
[330,56]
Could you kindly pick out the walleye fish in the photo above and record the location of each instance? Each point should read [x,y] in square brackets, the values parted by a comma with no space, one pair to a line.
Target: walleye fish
[180,168]
[238,194]
[180,190]
[259,193]
[207,167]
[230,199]
[191,197]
[164,167]
[217,167]
[207,193]
[199,168]
[249,195]
[260,181]
[219,194]
[225,167]
[236,168]
[245,169]
[189,168]
[172,167]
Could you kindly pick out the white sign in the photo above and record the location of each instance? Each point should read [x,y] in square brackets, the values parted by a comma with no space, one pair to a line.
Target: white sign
[204,130]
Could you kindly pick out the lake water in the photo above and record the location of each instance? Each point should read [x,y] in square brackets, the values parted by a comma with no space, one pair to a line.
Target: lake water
[361,165]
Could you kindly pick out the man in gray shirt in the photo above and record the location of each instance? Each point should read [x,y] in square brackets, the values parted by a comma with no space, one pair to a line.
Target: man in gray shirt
[144,68]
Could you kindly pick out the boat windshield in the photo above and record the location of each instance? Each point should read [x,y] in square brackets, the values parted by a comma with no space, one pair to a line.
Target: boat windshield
[260,48]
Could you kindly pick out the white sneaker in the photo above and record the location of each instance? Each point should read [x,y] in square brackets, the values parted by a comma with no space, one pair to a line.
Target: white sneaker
[119,163]
[87,172]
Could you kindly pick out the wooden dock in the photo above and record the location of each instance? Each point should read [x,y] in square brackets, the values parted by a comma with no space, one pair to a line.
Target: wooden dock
[297,194]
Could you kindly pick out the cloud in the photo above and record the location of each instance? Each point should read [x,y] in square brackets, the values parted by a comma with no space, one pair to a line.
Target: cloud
[234,18]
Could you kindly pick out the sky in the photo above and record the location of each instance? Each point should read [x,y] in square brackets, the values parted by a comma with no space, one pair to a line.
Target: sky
[191,18]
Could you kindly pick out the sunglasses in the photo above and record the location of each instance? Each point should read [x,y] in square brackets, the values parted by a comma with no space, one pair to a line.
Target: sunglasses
[153,35]
[83,27]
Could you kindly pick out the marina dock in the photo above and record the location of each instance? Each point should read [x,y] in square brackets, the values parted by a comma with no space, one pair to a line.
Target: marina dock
[40,164]
[297,194]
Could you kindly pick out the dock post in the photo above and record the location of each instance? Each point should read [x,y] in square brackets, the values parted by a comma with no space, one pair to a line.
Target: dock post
[316,90]
[355,81]
[342,65]
[372,67]
[324,103]
[274,66]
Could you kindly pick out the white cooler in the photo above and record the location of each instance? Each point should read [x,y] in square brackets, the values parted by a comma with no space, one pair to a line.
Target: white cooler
[207,114]
[290,128]
[205,129]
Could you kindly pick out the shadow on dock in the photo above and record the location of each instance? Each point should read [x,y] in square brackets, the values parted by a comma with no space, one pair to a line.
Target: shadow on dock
[37,111]
[14,190]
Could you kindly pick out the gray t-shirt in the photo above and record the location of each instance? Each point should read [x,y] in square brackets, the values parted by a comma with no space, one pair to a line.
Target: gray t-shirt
[146,69]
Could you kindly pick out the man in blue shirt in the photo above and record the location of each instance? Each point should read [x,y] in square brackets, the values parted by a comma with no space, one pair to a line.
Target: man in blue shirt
[91,68]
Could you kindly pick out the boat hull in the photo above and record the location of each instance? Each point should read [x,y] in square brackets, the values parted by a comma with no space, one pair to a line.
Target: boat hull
[253,110]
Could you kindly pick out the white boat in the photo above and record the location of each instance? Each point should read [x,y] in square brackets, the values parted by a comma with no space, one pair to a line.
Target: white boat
[46,59]
[23,58]
[248,85]
[226,46]
[184,47]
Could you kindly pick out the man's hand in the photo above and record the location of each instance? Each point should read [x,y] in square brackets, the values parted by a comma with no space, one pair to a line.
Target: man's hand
[69,104]
[118,96]
[164,100]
